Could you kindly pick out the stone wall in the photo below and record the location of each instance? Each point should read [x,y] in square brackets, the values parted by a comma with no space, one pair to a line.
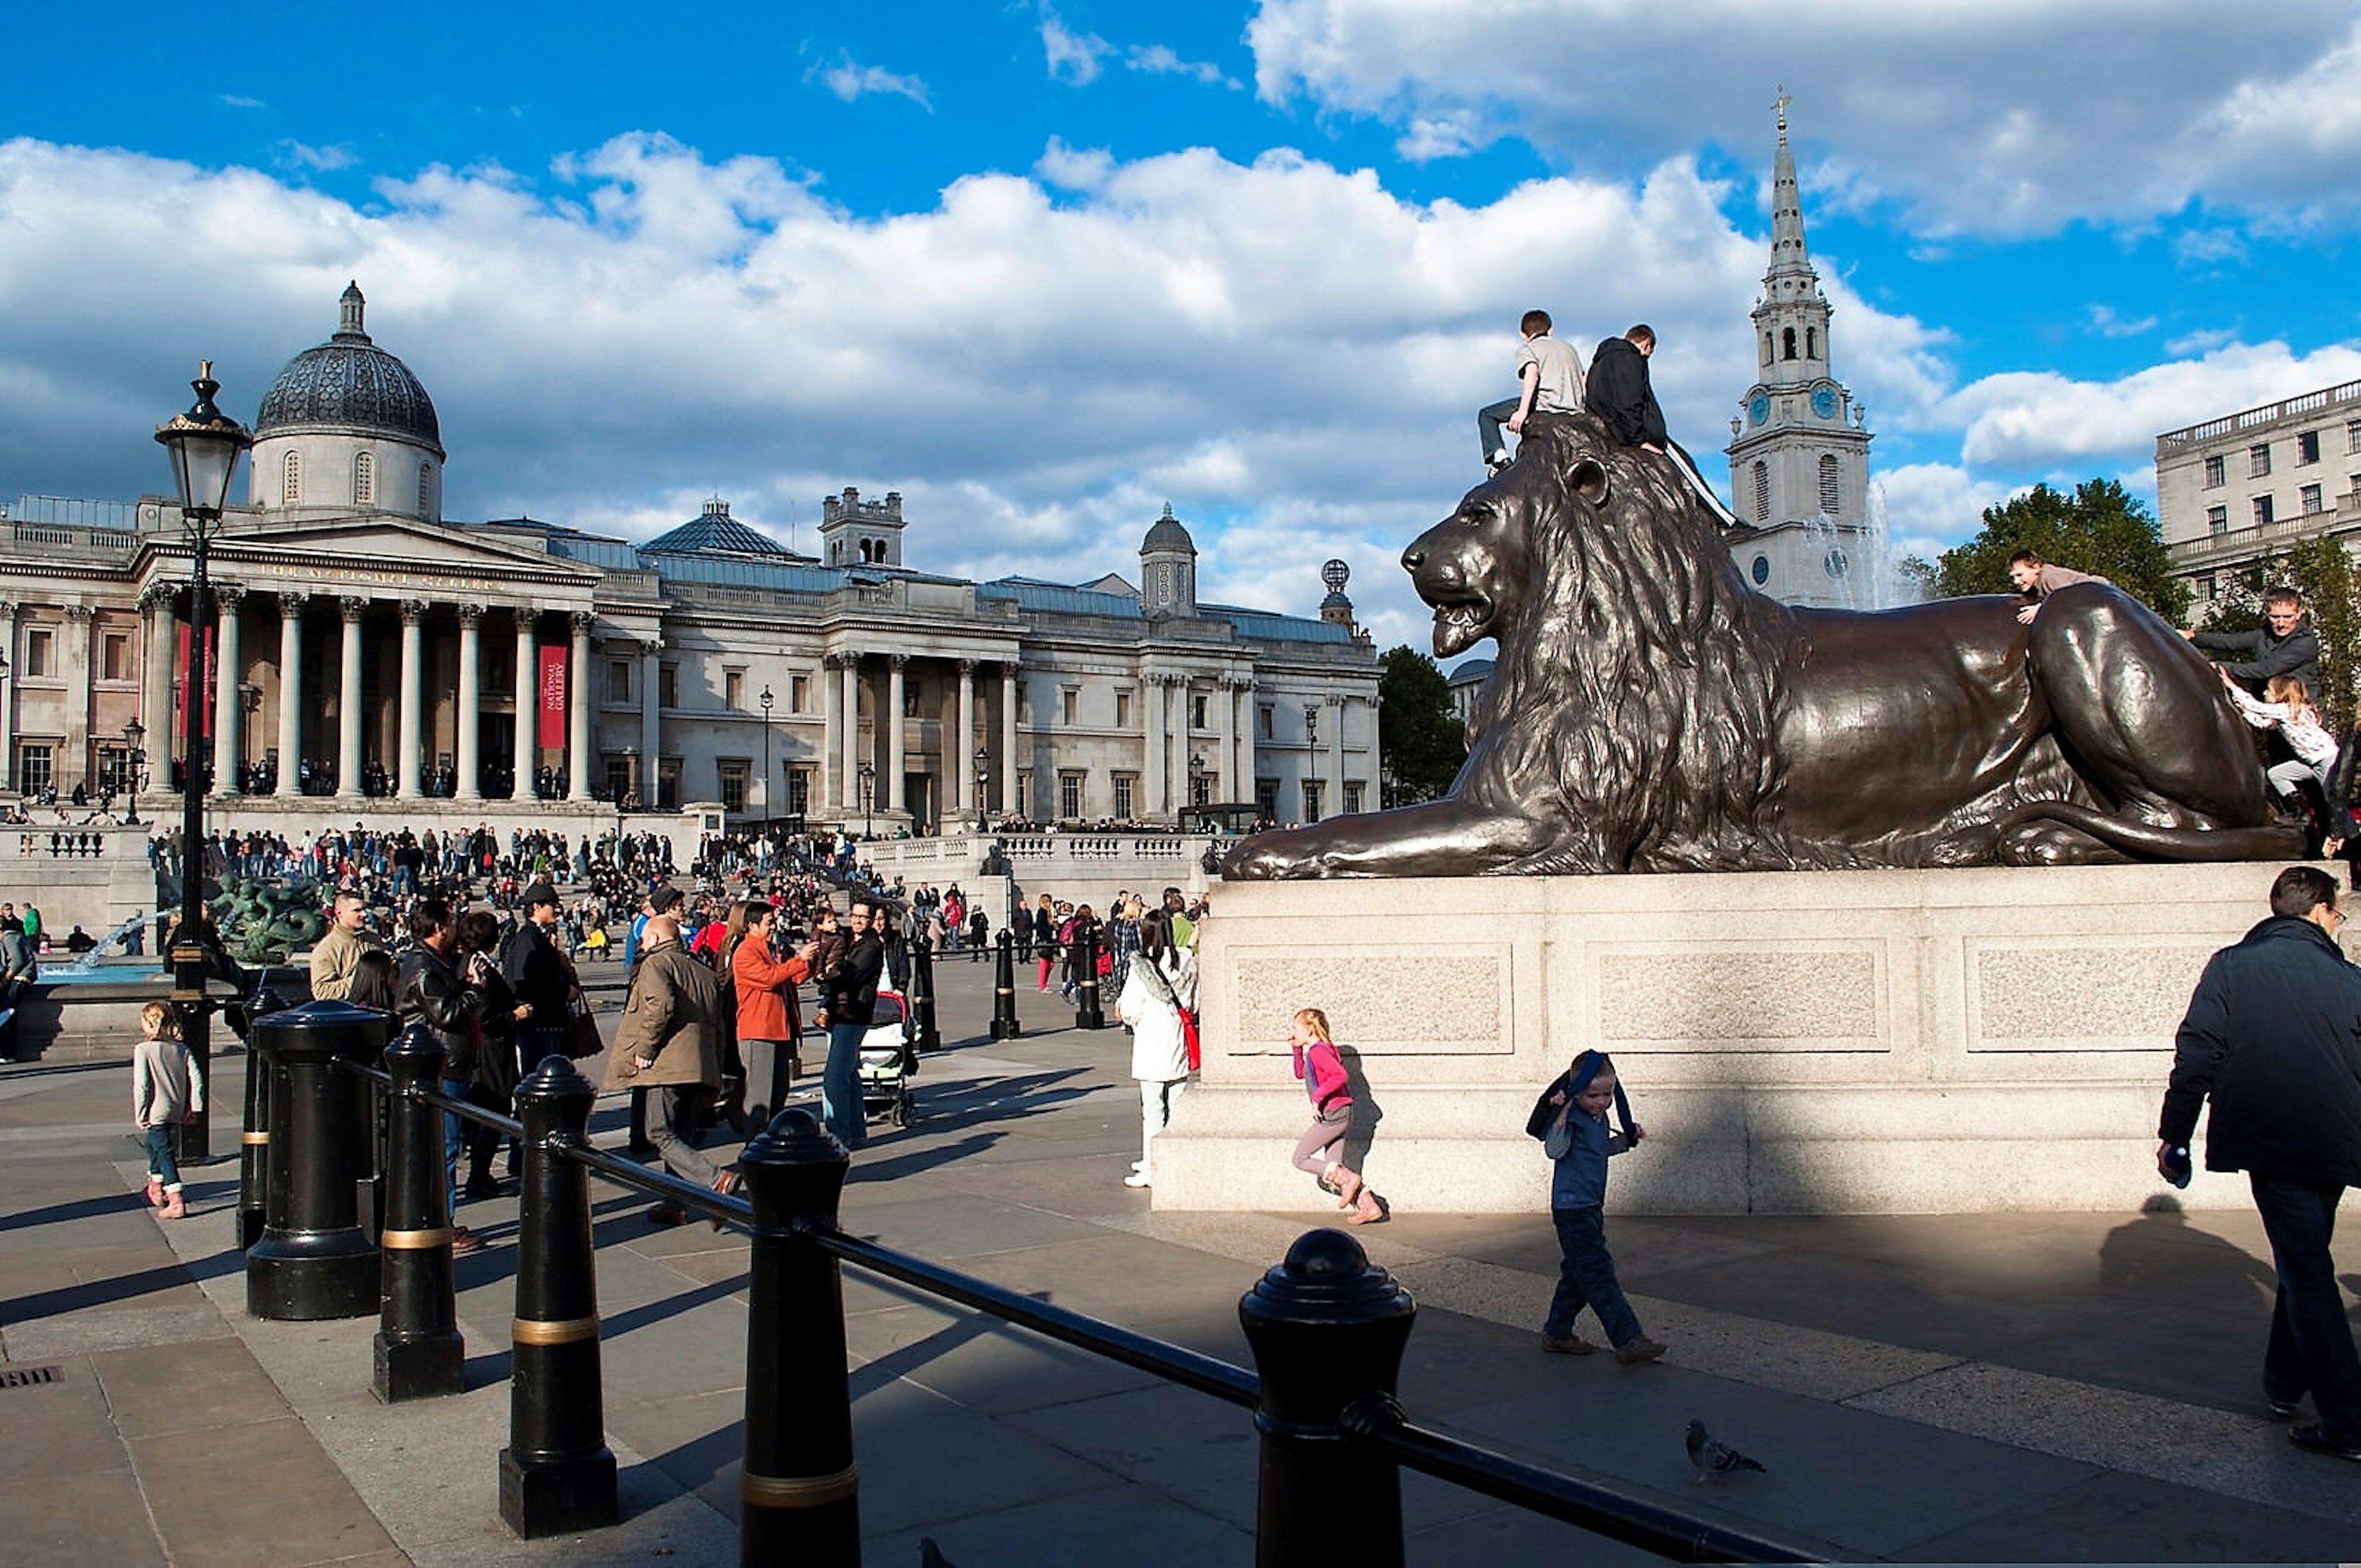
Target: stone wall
[1810,1042]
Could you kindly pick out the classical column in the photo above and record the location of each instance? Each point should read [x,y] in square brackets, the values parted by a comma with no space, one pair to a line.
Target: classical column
[650,712]
[1225,761]
[289,783]
[577,705]
[1335,803]
[348,700]
[964,763]
[78,668]
[896,736]
[1247,736]
[1010,673]
[851,780]
[230,715]
[9,694]
[526,747]
[1176,755]
[155,691]
[1152,717]
[413,692]
[831,740]
[471,700]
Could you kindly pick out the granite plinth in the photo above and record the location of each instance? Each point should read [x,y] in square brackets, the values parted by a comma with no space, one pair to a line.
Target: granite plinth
[1826,1042]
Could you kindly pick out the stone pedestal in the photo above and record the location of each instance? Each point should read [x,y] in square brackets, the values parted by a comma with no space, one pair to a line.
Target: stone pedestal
[1839,1042]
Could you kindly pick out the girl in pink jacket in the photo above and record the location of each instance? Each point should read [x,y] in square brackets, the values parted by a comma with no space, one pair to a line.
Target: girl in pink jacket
[1319,1151]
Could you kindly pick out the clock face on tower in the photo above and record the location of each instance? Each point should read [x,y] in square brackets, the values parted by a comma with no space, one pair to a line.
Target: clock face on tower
[1759,411]
[1824,402]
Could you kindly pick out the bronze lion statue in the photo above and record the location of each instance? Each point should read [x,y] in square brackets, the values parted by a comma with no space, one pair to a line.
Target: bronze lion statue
[1649,711]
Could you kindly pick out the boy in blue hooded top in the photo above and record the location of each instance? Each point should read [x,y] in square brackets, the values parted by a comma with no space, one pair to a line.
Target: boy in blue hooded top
[1570,1118]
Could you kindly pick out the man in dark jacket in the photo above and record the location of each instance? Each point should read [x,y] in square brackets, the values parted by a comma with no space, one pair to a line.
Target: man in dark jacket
[2273,1037]
[852,1000]
[540,975]
[2285,644]
[428,989]
[1617,389]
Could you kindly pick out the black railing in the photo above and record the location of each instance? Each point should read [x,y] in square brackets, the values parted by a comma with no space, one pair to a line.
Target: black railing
[1326,1327]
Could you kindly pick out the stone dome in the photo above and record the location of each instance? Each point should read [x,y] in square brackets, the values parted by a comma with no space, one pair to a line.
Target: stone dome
[350,383]
[1168,534]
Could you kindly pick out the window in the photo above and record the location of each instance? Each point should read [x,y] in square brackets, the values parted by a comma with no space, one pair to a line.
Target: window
[114,769]
[733,689]
[1811,351]
[733,772]
[427,489]
[619,777]
[1266,799]
[1761,492]
[2259,460]
[1197,712]
[364,480]
[39,641]
[2262,511]
[1761,570]
[2217,520]
[1122,717]
[2308,500]
[2352,436]
[290,477]
[2209,588]
[1766,348]
[667,686]
[909,699]
[1829,498]
[1125,787]
[1070,704]
[619,680]
[1787,348]
[1267,725]
[1311,797]
[798,694]
[36,767]
[2217,473]
[2307,448]
[1352,797]
[115,656]
[798,791]
[1069,795]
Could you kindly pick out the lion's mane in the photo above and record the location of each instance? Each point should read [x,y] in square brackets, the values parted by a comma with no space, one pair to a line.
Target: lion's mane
[1636,697]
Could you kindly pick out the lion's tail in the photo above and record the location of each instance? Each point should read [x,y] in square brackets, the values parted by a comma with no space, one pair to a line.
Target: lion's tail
[2158,842]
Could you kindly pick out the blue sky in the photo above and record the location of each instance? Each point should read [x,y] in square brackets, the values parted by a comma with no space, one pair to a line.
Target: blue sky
[1043,268]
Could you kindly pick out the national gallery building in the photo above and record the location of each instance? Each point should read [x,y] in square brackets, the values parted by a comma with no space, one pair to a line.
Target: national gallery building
[363,648]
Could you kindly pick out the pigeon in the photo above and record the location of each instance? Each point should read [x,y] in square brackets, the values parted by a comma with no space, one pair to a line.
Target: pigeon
[1715,1459]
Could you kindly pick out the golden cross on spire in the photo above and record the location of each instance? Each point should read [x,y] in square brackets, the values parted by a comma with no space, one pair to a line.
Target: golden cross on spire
[1781,106]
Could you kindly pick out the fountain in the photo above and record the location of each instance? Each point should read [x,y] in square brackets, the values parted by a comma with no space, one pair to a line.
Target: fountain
[87,963]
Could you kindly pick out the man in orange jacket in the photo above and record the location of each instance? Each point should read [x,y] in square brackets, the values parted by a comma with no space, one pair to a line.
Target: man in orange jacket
[770,1022]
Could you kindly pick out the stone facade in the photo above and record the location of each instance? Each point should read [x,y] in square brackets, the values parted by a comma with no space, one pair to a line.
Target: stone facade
[2233,489]
[365,637]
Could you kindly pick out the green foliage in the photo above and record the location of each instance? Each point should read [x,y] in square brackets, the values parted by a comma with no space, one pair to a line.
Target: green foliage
[1419,739]
[2102,527]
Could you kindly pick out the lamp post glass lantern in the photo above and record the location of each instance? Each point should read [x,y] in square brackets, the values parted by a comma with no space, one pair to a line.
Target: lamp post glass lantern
[766,701]
[203,444]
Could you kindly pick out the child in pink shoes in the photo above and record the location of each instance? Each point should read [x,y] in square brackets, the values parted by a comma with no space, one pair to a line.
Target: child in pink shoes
[167,1090]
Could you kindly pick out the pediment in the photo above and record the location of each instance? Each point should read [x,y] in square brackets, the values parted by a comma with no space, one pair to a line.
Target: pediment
[377,549]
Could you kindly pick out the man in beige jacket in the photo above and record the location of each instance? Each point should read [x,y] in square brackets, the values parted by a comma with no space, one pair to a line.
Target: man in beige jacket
[670,1039]
[339,952]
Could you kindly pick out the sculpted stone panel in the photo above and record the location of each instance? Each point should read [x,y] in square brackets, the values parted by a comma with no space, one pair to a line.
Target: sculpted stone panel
[1445,1004]
[2092,996]
[1710,999]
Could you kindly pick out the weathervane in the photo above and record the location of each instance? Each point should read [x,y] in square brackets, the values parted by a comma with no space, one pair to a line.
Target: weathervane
[1782,106]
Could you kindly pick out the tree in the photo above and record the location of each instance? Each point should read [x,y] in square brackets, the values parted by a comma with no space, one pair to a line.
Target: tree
[1422,740]
[2101,528]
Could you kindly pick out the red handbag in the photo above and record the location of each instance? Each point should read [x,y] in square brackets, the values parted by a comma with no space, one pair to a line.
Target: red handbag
[1188,1037]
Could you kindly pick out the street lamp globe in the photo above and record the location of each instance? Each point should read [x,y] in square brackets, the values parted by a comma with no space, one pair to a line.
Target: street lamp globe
[204,443]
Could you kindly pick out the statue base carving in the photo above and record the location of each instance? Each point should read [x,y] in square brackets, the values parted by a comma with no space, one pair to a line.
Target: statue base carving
[1828,1042]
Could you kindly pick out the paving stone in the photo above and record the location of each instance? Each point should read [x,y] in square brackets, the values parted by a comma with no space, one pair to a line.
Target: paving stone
[157,1391]
[210,1508]
[76,1517]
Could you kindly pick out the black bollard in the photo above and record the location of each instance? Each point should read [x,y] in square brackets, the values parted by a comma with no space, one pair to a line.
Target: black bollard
[556,1475]
[311,1260]
[254,1149]
[1087,1013]
[1004,992]
[922,996]
[799,1492]
[638,1144]
[1327,1329]
[418,1352]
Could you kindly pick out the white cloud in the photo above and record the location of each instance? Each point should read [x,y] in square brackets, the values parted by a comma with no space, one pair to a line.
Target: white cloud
[2003,116]
[239,100]
[2107,324]
[1073,57]
[1930,507]
[1455,135]
[2203,340]
[849,79]
[325,159]
[1159,60]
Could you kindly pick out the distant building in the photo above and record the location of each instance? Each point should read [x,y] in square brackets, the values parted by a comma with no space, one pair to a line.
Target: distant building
[370,649]
[1799,447]
[2233,489]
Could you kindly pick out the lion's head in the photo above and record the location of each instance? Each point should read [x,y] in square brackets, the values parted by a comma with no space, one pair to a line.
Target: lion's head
[1636,689]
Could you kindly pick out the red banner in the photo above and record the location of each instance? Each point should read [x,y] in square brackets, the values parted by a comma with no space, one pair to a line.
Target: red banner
[199,689]
[553,699]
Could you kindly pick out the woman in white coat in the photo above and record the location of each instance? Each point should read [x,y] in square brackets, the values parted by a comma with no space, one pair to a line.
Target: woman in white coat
[1162,981]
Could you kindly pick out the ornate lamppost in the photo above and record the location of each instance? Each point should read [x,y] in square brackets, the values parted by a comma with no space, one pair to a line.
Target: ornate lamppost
[135,756]
[868,794]
[766,700]
[983,779]
[622,792]
[203,444]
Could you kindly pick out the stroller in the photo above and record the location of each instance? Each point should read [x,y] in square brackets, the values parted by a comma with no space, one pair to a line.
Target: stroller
[888,1060]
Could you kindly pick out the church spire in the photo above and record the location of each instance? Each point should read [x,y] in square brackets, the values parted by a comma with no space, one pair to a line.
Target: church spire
[1789,259]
